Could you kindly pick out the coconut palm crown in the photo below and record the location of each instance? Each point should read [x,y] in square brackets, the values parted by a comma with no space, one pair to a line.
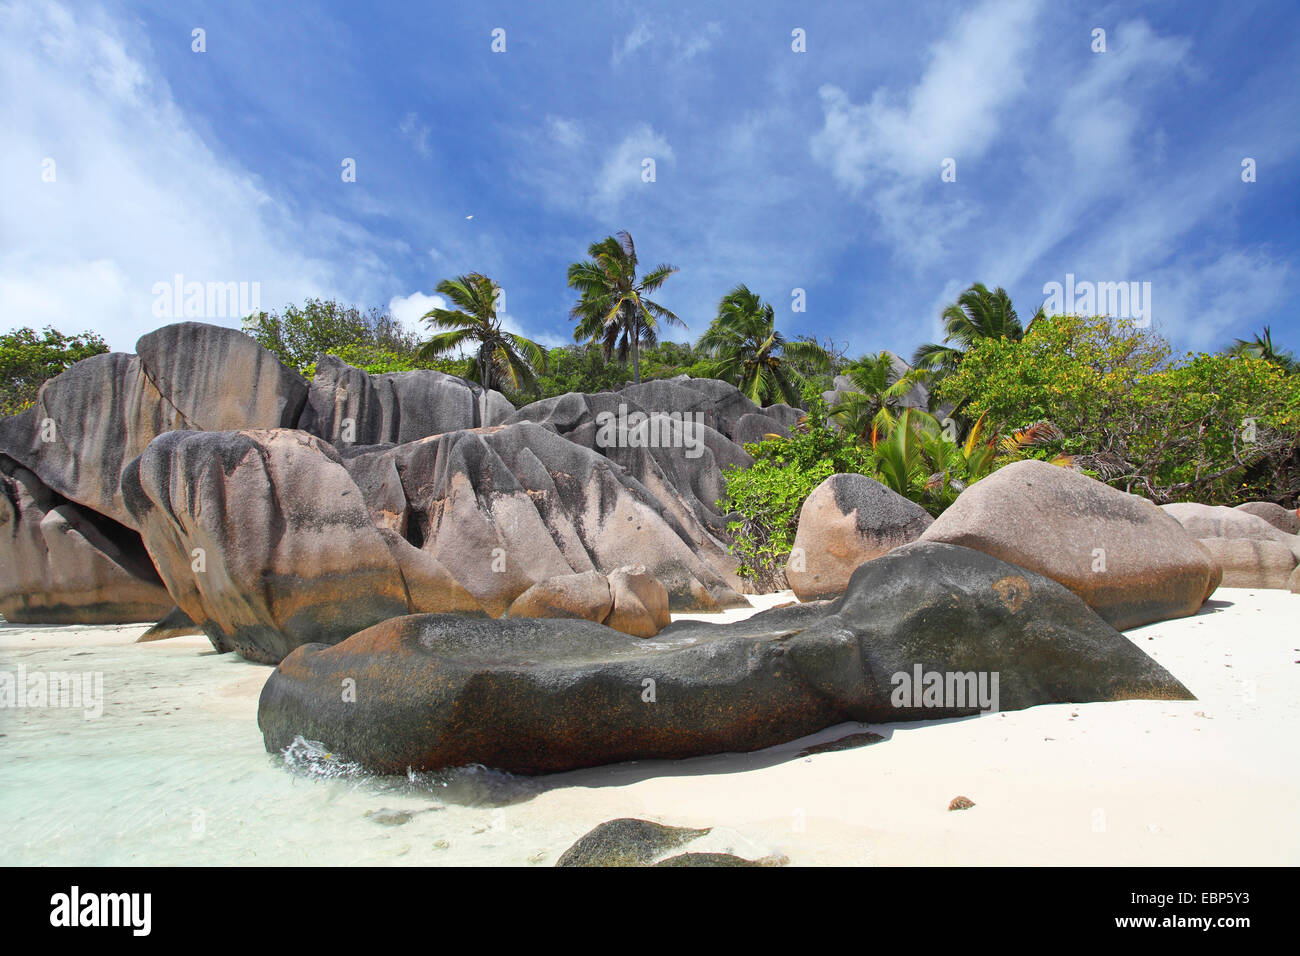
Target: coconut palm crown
[749,352]
[502,357]
[614,307]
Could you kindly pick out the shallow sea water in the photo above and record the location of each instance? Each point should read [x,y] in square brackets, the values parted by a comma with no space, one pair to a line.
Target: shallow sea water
[174,772]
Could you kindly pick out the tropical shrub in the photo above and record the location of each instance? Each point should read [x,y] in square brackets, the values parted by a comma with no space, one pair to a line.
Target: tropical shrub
[28,358]
[764,500]
[297,335]
[1219,429]
[747,350]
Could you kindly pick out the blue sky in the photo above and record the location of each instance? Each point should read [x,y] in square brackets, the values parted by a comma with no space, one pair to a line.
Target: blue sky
[817,170]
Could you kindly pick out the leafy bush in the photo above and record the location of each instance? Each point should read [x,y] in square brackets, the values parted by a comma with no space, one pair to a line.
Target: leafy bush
[298,335]
[28,358]
[764,500]
[1219,429]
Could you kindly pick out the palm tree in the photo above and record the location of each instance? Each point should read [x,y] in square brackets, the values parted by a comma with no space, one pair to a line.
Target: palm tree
[751,354]
[1262,347]
[871,407]
[977,314]
[503,357]
[613,307]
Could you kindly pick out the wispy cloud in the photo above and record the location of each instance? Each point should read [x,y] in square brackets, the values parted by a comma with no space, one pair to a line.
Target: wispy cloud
[634,40]
[416,133]
[625,167]
[138,194]
[954,110]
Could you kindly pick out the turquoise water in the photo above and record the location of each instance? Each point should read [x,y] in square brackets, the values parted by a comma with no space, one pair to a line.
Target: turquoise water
[174,772]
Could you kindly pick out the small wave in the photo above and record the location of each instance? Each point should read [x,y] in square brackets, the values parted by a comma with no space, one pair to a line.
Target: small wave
[311,758]
[471,785]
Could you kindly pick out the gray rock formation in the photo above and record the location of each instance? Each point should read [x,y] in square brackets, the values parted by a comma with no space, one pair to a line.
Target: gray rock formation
[536,696]
[92,419]
[1284,519]
[347,406]
[63,564]
[1249,563]
[509,507]
[265,542]
[848,519]
[1128,559]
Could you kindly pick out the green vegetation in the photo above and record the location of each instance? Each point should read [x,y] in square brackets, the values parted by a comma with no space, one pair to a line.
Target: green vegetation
[1262,347]
[873,406]
[613,306]
[28,358]
[586,368]
[504,360]
[978,314]
[371,340]
[746,350]
[1094,393]
[1219,429]
[764,500]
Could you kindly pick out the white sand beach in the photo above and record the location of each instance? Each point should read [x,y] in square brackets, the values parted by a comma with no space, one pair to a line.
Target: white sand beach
[174,772]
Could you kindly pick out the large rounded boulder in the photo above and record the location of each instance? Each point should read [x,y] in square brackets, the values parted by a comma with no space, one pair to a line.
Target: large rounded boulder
[263,540]
[1250,563]
[925,631]
[102,412]
[848,519]
[1130,561]
[1217,521]
[1284,519]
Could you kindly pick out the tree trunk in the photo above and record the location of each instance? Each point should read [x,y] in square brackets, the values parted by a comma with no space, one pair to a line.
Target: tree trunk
[636,349]
[636,355]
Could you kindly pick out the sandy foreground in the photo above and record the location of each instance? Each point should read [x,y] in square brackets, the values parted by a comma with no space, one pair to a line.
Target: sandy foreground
[174,772]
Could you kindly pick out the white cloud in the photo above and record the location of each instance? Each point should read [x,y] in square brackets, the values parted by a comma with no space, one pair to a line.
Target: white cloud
[689,45]
[623,168]
[410,309]
[568,133]
[953,111]
[416,133]
[138,195]
[639,36]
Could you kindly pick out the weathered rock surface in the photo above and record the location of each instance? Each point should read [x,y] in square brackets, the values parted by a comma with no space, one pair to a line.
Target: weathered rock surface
[175,623]
[640,602]
[679,459]
[264,541]
[535,696]
[1069,527]
[848,519]
[89,421]
[1249,563]
[1293,583]
[1284,519]
[508,507]
[347,406]
[1216,521]
[626,842]
[63,564]
[220,379]
[585,596]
